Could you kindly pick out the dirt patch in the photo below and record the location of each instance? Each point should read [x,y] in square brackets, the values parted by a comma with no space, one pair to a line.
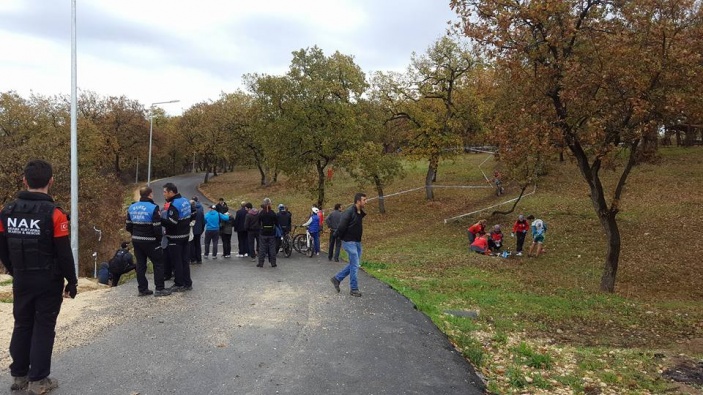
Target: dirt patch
[685,371]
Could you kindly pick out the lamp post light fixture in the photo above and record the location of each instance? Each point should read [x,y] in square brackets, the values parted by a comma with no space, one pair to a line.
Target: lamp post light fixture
[151,134]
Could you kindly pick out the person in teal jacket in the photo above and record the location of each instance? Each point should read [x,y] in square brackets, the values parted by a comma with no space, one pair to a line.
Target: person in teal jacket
[539,230]
[212,230]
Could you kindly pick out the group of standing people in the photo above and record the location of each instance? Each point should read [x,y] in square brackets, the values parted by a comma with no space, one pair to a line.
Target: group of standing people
[491,242]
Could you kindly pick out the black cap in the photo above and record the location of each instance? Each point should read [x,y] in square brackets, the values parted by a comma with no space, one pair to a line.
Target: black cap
[195,198]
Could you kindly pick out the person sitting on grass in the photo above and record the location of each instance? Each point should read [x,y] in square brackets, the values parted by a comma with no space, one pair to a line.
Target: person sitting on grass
[480,245]
[539,229]
[495,242]
[477,229]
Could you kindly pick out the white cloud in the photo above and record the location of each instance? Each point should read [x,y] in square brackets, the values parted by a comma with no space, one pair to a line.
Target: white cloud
[160,50]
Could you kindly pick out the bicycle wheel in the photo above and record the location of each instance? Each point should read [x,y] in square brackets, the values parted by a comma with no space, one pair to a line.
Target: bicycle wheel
[311,247]
[287,246]
[300,244]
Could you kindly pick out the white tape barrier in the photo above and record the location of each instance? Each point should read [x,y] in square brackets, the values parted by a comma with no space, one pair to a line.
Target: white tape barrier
[433,186]
[481,164]
[488,208]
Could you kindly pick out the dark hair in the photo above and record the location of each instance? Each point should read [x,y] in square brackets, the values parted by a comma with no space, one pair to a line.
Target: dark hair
[38,173]
[124,244]
[358,196]
[195,198]
[248,205]
[145,192]
[338,206]
[222,199]
[171,187]
[530,217]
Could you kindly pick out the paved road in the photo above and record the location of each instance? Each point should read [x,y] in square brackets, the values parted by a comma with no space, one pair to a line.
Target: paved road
[249,330]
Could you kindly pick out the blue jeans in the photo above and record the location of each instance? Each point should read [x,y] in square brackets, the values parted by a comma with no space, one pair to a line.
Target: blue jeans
[353,249]
[316,241]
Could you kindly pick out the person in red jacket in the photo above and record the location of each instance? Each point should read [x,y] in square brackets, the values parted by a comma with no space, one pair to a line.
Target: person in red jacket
[477,229]
[495,241]
[480,245]
[520,229]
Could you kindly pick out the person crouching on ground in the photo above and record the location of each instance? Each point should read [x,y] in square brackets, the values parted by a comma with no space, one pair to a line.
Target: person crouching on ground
[122,263]
[477,229]
[495,241]
[480,245]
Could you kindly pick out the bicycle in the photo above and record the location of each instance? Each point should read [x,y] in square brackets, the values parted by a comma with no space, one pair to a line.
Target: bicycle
[287,244]
[303,242]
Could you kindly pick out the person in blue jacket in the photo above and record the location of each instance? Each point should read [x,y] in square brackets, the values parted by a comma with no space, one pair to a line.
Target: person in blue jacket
[313,225]
[212,230]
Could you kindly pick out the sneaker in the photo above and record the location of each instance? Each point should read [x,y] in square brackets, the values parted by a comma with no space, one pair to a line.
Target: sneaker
[188,288]
[145,293]
[227,256]
[214,257]
[260,265]
[43,386]
[206,257]
[519,254]
[274,265]
[177,288]
[245,255]
[335,282]
[336,259]
[239,255]
[162,292]
[19,383]
[355,292]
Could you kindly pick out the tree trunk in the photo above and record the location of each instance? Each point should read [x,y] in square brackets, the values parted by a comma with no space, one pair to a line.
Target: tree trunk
[379,190]
[612,257]
[431,175]
[320,185]
[262,173]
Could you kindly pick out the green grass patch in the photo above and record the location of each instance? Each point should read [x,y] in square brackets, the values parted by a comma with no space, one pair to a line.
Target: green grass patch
[527,356]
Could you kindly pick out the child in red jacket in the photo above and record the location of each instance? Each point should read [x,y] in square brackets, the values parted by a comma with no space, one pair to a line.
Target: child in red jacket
[495,242]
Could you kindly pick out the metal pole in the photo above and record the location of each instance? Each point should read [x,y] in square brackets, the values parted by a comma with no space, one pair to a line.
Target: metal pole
[151,133]
[74,142]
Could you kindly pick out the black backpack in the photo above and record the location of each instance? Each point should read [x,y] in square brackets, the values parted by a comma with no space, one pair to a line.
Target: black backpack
[118,263]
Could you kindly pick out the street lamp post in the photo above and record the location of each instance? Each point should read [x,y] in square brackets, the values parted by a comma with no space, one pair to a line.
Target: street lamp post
[151,134]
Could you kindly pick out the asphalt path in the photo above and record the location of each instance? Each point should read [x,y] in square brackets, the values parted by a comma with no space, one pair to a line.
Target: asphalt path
[249,330]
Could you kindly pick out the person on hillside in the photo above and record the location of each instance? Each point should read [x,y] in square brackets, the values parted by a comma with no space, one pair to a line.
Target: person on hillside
[477,229]
[212,230]
[520,228]
[335,242]
[35,248]
[285,222]
[497,181]
[480,245]
[495,239]
[251,224]
[177,224]
[268,221]
[539,230]
[122,263]
[222,206]
[144,224]
[350,230]
[242,239]
[313,224]
[198,229]
[226,229]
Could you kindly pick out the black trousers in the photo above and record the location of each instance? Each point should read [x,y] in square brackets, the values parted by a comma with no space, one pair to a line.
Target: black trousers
[179,255]
[226,244]
[267,246]
[151,250]
[115,281]
[243,242]
[520,240]
[37,301]
[196,249]
[334,247]
[253,242]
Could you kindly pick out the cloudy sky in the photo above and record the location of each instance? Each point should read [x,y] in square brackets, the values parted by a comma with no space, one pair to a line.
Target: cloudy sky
[160,50]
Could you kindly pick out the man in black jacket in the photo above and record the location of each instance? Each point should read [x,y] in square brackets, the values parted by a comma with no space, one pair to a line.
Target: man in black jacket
[242,239]
[267,239]
[35,247]
[122,263]
[144,223]
[349,231]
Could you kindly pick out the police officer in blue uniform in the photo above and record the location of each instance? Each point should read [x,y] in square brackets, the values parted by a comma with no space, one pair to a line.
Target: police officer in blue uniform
[35,247]
[177,225]
[144,223]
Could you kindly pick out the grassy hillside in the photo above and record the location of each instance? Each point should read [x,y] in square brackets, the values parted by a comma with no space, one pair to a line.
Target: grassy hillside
[543,325]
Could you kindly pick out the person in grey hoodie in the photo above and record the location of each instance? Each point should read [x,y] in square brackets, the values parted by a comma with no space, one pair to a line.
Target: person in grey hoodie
[332,222]
[251,225]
